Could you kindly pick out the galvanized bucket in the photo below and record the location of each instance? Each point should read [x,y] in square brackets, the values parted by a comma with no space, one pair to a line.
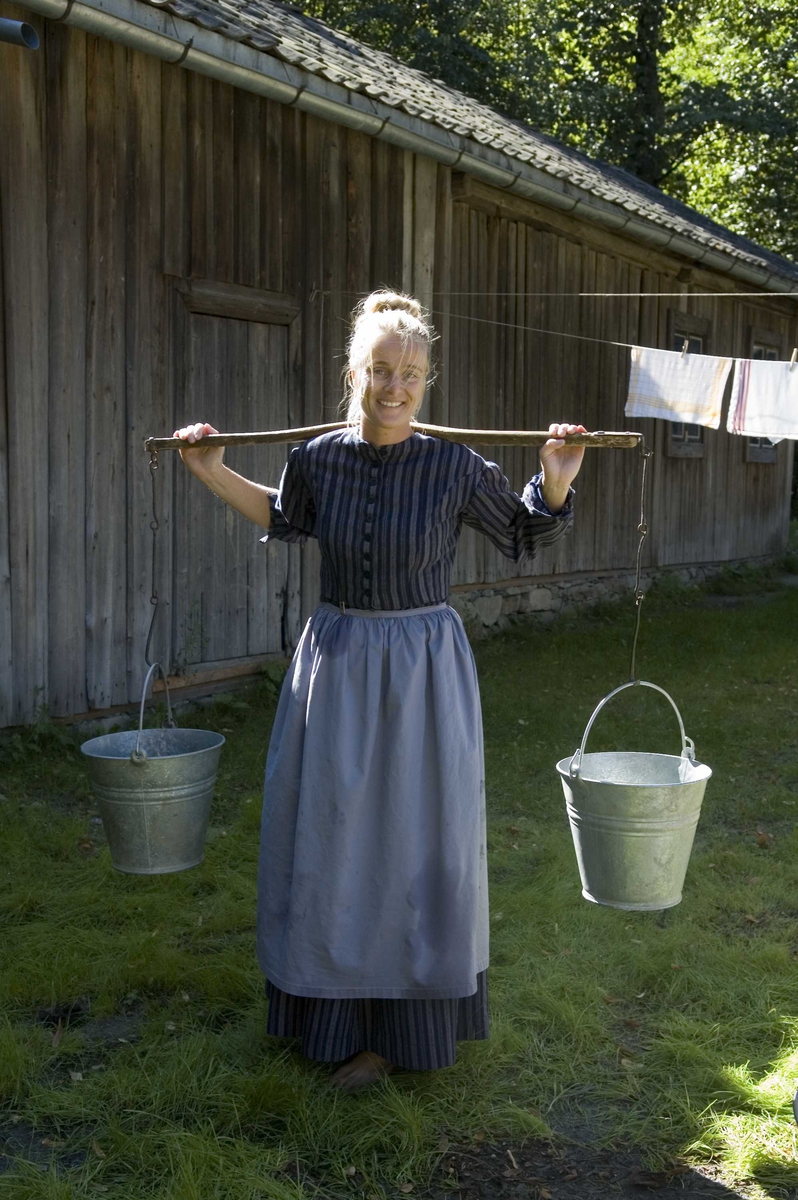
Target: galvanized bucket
[154,788]
[633,818]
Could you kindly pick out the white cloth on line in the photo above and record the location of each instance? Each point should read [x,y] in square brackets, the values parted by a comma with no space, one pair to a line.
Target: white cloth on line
[764,400]
[686,388]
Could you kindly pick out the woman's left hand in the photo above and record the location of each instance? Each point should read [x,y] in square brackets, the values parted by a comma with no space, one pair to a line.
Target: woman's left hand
[560,463]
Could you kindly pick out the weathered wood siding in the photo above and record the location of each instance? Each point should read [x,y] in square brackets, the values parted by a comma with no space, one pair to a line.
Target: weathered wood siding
[173,249]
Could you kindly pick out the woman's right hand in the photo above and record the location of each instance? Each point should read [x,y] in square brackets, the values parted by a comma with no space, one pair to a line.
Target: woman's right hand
[202,461]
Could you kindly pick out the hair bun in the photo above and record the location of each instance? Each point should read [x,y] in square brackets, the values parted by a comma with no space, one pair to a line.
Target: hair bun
[389,301]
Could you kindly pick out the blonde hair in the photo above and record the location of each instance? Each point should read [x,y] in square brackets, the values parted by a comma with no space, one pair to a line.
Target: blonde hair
[381,312]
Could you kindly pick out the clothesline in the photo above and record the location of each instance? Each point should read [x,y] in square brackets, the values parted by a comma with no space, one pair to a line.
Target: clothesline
[586,295]
[581,337]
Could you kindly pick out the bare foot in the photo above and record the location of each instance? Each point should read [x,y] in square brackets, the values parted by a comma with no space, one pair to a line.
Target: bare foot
[360,1071]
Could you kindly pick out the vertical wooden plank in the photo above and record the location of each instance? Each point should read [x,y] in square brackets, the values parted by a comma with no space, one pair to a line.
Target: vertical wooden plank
[314,250]
[144,366]
[589,359]
[533,343]
[721,497]
[23,204]
[358,216]
[334,311]
[280,196]
[509,314]
[520,382]
[482,343]
[227,567]
[381,260]
[408,192]
[442,300]
[200,584]
[630,465]
[491,399]
[646,334]
[183,483]
[247,162]
[425,195]
[606,464]
[176,170]
[6,631]
[239,533]
[200,133]
[177,182]
[566,554]
[466,358]
[267,598]
[106,433]
[66,227]
[222,180]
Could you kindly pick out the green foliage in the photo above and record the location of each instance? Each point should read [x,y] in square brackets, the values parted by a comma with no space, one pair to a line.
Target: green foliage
[673,1032]
[694,96]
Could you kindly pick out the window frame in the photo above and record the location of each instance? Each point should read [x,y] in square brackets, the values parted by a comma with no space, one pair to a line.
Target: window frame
[756,449]
[683,327]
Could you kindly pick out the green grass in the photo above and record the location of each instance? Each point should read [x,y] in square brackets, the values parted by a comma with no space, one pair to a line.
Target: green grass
[674,1032]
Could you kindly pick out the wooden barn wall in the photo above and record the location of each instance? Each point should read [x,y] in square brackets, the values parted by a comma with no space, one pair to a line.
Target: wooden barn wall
[173,249]
[701,510]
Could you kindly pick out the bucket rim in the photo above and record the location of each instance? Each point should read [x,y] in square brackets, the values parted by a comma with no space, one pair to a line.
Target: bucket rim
[704,771]
[84,748]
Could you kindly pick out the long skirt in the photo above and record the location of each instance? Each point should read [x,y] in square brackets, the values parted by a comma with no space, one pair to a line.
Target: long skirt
[372,880]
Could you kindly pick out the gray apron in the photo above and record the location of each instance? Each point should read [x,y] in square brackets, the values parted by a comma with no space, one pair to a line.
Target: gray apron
[372,879]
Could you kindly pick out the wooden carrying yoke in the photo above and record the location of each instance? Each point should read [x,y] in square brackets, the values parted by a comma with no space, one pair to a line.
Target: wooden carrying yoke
[485,437]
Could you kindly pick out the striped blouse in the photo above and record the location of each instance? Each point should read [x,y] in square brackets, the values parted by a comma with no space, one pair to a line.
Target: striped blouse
[387,518]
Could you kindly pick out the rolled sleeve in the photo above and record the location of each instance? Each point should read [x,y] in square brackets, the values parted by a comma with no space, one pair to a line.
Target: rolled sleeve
[533,499]
[518,526]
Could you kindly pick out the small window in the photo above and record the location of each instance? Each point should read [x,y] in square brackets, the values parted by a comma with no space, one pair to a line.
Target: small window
[761,449]
[686,441]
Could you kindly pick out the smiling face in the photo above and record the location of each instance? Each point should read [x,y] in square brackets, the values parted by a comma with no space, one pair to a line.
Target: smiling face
[392,383]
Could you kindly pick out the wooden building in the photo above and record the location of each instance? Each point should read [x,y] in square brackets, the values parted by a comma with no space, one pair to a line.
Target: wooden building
[192,197]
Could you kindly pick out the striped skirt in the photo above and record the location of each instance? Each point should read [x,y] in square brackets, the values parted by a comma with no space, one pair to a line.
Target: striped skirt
[417,1035]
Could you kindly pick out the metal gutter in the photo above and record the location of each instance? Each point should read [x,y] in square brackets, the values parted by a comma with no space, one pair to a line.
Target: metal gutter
[159,33]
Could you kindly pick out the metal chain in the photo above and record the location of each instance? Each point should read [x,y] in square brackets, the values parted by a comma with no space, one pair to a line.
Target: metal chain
[154,526]
[642,529]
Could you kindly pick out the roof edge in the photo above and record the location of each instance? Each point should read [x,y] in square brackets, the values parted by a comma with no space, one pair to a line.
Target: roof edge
[173,39]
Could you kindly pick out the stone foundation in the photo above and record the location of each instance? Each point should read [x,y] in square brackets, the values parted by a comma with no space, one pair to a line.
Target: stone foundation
[497,606]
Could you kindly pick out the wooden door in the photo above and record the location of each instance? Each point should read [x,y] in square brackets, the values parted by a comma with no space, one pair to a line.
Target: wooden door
[231,593]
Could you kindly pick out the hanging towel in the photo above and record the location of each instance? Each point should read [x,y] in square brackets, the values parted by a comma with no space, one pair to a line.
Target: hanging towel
[686,388]
[764,400]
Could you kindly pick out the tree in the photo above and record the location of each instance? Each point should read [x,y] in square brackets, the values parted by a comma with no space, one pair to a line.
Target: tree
[694,96]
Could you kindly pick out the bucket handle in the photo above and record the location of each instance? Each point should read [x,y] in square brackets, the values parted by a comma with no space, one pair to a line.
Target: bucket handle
[138,755]
[688,749]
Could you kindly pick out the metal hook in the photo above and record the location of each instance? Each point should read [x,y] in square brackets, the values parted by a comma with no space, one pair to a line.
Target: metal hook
[793,357]
[184,55]
[685,345]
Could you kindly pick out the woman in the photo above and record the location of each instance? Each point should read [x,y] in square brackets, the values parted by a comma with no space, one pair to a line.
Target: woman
[372,887]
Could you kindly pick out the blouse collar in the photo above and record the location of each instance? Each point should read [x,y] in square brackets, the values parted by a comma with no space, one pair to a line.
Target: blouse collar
[395,452]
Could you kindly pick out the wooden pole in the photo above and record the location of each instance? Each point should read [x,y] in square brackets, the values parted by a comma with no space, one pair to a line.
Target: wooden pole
[484,437]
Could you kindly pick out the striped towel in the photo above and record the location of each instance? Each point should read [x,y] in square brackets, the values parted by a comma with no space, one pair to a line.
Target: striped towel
[764,400]
[685,388]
